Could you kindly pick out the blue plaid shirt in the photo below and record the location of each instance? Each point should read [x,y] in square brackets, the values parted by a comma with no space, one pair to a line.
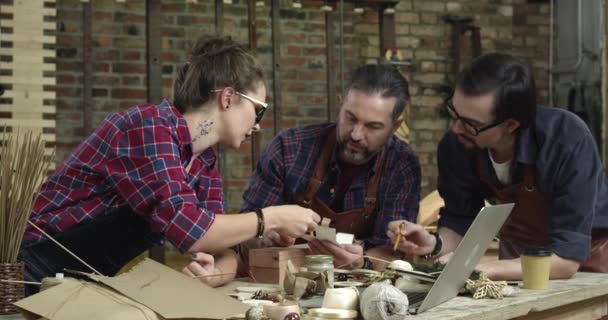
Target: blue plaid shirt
[289,160]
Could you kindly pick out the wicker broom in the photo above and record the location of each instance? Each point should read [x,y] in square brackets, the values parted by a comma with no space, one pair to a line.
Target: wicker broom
[23,166]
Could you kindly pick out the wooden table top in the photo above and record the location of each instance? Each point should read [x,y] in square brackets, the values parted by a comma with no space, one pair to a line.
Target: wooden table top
[582,287]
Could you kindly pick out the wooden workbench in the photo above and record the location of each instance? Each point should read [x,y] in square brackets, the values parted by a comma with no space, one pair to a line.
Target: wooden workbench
[583,297]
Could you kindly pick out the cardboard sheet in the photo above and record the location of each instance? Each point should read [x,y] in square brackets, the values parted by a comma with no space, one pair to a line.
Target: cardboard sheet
[149,291]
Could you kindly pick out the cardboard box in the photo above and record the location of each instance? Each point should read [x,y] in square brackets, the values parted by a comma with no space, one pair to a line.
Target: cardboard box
[149,289]
[268,265]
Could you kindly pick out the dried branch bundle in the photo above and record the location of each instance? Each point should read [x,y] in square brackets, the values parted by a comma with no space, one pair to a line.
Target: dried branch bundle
[23,166]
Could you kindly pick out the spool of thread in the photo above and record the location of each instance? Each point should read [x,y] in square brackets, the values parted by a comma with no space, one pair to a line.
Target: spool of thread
[50,282]
[341,298]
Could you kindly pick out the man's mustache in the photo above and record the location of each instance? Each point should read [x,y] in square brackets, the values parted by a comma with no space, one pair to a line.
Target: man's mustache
[356,144]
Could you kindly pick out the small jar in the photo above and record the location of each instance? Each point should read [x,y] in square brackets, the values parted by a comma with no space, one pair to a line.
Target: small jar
[320,263]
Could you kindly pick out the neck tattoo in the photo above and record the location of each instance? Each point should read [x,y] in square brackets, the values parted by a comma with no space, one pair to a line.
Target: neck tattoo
[202,130]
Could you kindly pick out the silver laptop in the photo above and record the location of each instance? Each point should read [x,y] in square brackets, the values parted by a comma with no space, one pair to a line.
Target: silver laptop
[473,245]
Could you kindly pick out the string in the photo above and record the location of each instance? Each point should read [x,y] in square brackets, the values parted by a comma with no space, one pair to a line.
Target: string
[24,282]
[64,248]
[361,257]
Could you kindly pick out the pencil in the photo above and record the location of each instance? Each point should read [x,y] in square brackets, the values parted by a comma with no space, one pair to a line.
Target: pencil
[398,238]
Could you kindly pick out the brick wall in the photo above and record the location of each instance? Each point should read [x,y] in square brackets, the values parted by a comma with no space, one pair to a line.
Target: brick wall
[119,61]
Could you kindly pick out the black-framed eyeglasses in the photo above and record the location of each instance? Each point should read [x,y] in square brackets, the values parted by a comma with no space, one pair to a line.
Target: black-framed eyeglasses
[466,123]
[259,112]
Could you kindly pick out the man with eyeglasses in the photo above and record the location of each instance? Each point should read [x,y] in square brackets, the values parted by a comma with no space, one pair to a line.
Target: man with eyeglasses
[503,147]
[355,172]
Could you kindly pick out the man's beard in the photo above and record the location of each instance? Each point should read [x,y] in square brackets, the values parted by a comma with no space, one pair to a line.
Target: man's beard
[353,157]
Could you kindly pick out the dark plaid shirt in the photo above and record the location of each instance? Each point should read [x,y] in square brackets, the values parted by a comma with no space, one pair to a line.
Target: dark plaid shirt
[135,158]
[569,173]
[289,160]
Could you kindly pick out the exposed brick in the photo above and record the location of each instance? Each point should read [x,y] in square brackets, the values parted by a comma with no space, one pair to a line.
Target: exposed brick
[131,55]
[69,41]
[316,39]
[106,28]
[128,68]
[130,43]
[173,7]
[99,92]
[102,15]
[428,30]
[131,81]
[105,80]
[297,38]
[535,19]
[453,6]
[173,32]
[506,11]
[312,100]
[408,42]
[429,18]
[102,41]
[111,55]
[129,17]
[66,65]
[101,67]
[169,56]
[426,66]
[121,93]
[293,62]
[65,78]
[427,5]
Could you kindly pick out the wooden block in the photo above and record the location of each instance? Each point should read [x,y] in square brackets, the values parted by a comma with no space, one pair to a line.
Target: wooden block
[274,257]
[265,275]
[268,265]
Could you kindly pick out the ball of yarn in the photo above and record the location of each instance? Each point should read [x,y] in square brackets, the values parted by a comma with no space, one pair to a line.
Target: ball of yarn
[255,313]
[382,301]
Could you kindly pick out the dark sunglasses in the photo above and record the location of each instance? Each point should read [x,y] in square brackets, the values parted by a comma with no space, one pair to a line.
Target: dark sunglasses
[259,112]
[466,123]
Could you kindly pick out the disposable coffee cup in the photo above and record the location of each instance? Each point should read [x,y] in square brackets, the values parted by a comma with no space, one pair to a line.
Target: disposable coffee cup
[536,266]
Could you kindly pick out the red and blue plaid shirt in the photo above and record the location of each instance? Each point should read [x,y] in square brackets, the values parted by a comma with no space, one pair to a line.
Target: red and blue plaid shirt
[136,158]
[289,160]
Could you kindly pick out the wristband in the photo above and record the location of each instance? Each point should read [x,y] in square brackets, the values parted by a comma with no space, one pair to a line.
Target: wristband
[436,249]
[261,225]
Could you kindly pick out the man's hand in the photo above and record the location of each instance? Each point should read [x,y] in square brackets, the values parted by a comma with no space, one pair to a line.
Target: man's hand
[347,256]
[202,266]
[414,239]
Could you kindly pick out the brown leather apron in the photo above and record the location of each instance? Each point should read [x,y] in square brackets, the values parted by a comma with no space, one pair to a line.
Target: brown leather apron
[355,221]
[528,224]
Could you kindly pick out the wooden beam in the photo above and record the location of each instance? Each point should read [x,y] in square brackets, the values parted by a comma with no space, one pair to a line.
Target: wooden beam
[153,51]
[256,137]
[330,67]
[605,90]
[387,30]
[219,17]
[87,71]
[154,78]
[276,65]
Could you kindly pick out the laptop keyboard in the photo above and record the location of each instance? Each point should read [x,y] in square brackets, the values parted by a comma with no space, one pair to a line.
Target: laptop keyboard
[416,297]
